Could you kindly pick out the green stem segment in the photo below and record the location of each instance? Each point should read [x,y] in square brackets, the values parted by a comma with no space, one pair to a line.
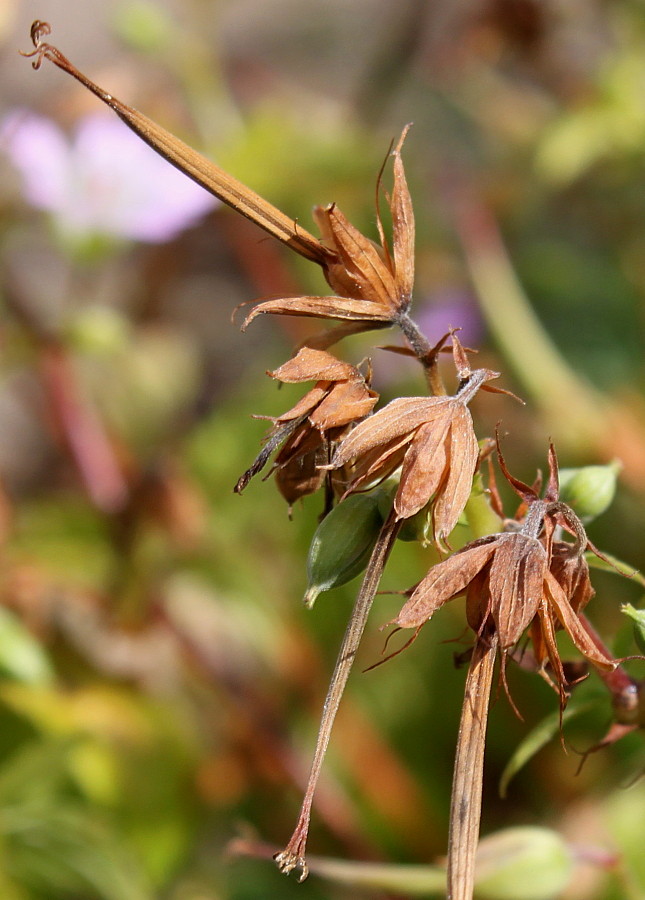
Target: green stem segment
[293,856]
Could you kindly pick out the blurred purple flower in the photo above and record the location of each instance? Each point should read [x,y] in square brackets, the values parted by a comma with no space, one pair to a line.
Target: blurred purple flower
[451,308]
[103,180]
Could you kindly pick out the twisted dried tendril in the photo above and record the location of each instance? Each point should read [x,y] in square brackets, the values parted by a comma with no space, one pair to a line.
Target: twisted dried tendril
[42,50]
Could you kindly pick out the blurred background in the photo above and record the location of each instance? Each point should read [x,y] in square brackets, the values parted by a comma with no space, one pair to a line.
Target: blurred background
[161,683]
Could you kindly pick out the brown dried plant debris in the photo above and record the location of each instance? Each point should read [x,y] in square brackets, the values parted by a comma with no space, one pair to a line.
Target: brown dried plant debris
[432,438]
[304,433]
[519,578]
[373,284]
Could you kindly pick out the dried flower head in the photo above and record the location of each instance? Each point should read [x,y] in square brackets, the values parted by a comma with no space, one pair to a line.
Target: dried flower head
[434,441]
[372,283]
[514,579]
[304,433]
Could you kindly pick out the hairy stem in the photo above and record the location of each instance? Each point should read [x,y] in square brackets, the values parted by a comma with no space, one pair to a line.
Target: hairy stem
[424,352]
[465,802]
[293,856]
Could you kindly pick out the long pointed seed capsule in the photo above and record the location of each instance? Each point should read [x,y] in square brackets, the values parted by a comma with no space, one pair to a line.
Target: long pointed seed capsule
[189,161]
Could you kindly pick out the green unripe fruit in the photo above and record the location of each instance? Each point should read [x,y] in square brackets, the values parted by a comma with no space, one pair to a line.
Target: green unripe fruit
[417,527]
[638,618]
[341,547]
[589,490]
[522,863]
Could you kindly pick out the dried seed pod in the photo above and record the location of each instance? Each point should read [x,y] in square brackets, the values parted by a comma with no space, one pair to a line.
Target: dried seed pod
[341,547]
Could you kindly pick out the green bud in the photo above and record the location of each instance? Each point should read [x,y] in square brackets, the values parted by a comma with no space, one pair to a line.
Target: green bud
[523,863]
[417,527]
[638,618]
[589,490]
[341,547]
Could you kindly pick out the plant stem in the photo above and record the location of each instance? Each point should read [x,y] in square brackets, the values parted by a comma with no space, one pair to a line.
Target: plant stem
[415,881]
[293,856]
[465,802]
[424,352]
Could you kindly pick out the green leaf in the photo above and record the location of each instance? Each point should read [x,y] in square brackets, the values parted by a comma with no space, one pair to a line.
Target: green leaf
[21,656]
[543,732]
[615,565]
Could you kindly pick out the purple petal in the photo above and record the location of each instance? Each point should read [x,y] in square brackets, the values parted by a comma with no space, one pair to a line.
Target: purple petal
[107,180]
[39,150]
[130,190]
[451,308]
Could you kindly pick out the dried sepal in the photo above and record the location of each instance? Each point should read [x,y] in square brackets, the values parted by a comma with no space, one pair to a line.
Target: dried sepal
[423,467]
[462,455]
[445,580]
[372,284]
[559,603]
[403,229]
[310,364]
[358,269]
[321,308]
[305,432]
[571,570]
[434,440]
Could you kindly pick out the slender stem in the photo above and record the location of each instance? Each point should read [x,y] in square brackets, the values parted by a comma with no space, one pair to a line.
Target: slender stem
[465,802]
[424,352]
[293,856]
[564,397]
[625,691]
[418,881]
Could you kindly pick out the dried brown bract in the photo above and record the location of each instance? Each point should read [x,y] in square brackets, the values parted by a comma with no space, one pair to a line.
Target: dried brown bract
[304,433]
[373,284]
[518,578]
[434,441]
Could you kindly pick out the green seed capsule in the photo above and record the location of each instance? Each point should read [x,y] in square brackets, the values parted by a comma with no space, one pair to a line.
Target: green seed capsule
[522,863]
[638,617]
[417,527]
[589,490]
[341,547]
